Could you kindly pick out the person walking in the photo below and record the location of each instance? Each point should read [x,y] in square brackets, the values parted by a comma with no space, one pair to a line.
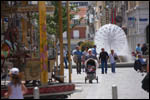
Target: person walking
[144,49]
[90,55]
[103,57]
[138,49]
[94,51]
[85,54]
[65,58]
[113,57]
[16,89]
[78,55]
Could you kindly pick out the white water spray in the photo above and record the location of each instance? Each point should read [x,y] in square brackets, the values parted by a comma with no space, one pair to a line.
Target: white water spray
[111,36]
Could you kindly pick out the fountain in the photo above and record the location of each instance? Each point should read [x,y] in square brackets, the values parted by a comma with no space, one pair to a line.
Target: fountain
[111,36]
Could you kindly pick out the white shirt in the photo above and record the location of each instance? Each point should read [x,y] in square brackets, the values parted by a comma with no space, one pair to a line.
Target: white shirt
[85,53]
[111,57]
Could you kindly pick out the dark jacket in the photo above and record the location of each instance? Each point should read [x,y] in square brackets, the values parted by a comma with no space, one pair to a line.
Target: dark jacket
[144,48]
[103,56]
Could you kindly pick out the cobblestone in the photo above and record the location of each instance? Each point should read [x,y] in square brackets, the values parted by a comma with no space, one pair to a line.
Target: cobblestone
[127,80]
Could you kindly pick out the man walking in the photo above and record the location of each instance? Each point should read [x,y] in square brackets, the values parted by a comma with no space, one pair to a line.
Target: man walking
[78,54]
[103,57]
[65,58]
[94,51]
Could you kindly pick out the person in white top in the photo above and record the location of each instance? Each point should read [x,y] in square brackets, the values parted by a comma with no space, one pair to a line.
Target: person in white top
[16,89]
[113,57]
[85,54]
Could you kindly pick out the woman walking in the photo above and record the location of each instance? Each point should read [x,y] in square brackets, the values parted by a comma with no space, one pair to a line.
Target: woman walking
[113,57]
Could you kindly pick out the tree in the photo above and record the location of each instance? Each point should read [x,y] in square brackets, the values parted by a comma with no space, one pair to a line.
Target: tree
[52,21]
[85,44]
[79,43]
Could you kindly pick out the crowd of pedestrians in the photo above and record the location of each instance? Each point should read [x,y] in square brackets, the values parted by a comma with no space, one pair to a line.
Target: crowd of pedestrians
[140,50]
[16,89]
[140,62]
[80,57]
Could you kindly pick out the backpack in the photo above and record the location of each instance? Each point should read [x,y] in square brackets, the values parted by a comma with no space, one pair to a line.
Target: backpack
[145,83]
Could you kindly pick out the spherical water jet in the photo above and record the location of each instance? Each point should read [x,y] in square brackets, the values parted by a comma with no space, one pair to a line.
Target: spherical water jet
[111,36]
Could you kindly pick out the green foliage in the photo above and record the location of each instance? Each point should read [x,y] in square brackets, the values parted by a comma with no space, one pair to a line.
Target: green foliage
[85,44]
[52,21]
[51,25]
[50,43]
[79,43]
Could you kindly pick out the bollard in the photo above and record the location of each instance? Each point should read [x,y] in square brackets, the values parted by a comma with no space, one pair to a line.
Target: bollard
[36,93]
[114,92]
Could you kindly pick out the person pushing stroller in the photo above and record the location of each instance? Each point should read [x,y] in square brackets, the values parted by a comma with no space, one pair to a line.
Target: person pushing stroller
[90,66]
[90,55]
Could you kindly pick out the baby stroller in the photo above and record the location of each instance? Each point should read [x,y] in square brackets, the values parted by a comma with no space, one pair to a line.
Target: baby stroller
[90,69]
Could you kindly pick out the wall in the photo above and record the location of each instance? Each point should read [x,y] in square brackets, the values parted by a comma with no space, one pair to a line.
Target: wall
[82,32]
[137,33]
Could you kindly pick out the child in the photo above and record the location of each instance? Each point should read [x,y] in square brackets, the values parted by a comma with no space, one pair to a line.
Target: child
[15,88]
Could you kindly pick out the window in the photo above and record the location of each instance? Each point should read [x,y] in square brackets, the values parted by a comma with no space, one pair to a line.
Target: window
[76,34]
[30,2]
[76,21]
[64,4]
[65,35]
[83,3]
[71,3]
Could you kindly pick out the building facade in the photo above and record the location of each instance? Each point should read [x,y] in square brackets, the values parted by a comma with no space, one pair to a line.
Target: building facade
[131,16]
[79,32]
[103,12]
[137,23]
[94,18]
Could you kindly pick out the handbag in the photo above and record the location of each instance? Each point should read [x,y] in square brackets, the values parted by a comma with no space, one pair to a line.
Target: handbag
[116,58]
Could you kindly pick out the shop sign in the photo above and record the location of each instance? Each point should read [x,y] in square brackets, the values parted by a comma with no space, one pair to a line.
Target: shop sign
[143,19]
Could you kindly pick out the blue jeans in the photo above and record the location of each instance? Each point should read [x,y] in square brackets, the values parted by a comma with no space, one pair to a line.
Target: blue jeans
[113,66]
[65,60]
[104,65]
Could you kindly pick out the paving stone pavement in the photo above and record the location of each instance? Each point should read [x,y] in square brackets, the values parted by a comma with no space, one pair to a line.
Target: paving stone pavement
[128,82]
